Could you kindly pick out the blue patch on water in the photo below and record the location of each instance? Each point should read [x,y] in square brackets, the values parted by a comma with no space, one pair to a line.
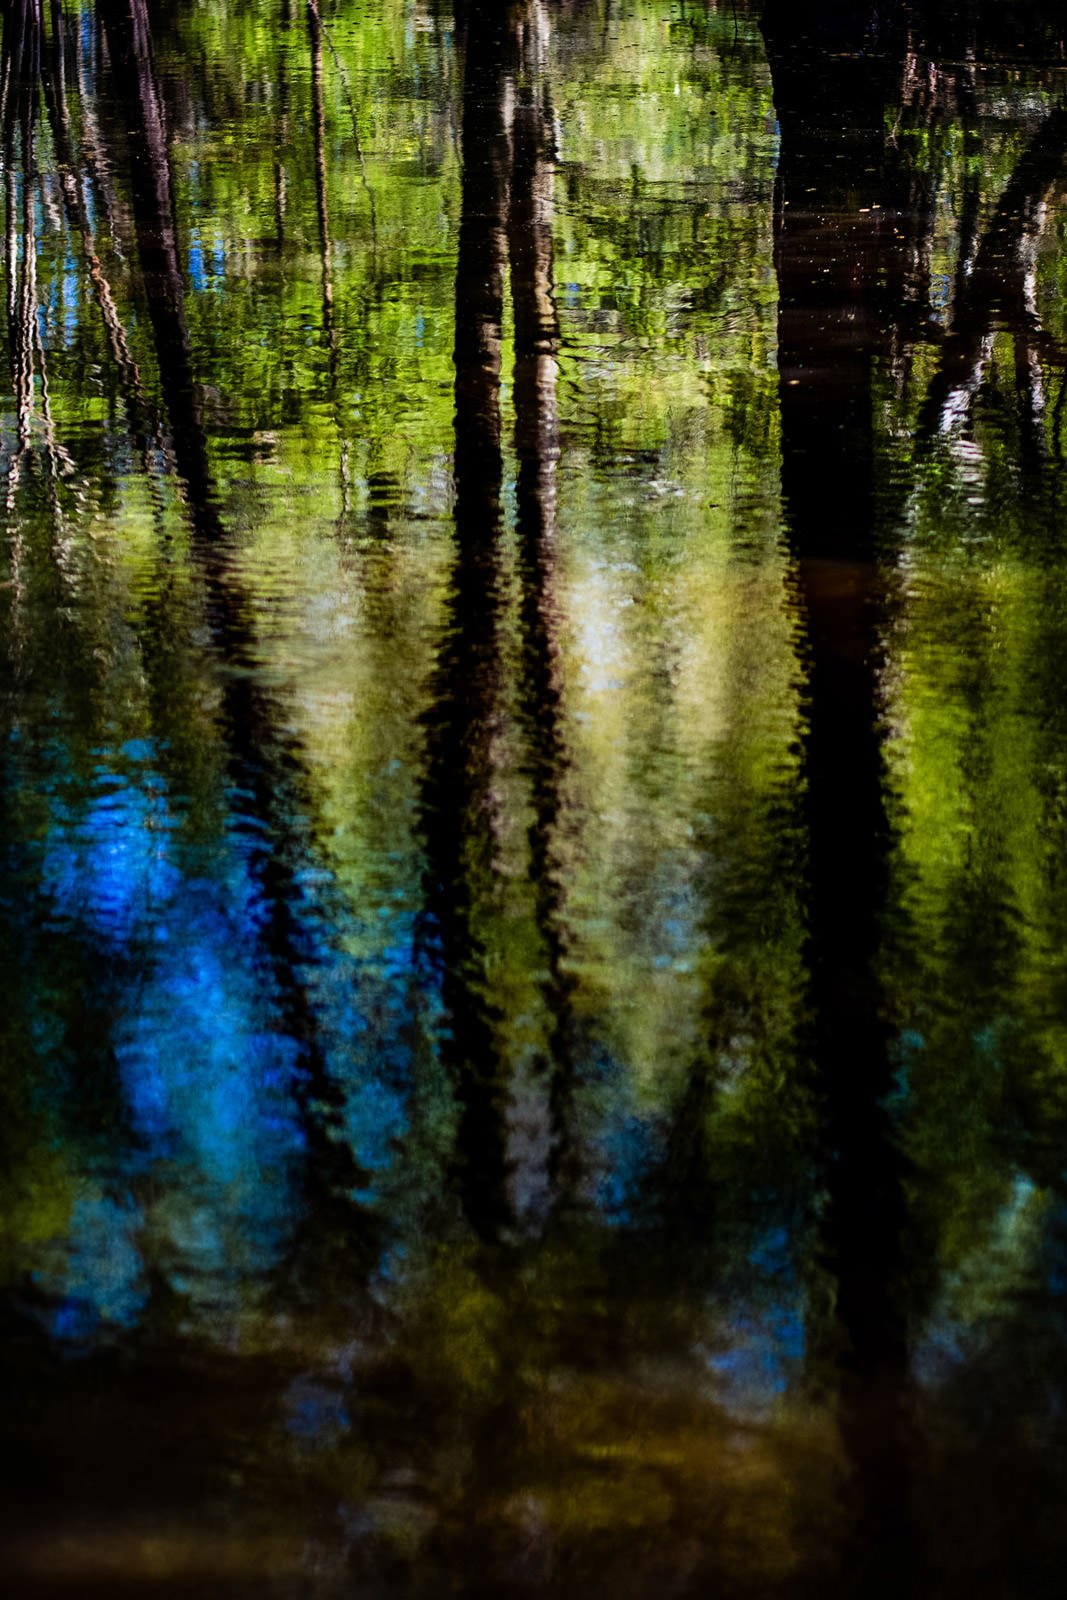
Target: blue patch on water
[757,1366]
[109,866]
[625,1148]
[315,1414]
[771,1254]
[197,274]
[96,1274]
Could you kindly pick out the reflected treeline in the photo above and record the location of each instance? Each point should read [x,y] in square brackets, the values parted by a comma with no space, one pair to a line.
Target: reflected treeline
[855,227]
[506,219]
[532,792]
[459,802]
[537,445]
[263,767]
[840,261]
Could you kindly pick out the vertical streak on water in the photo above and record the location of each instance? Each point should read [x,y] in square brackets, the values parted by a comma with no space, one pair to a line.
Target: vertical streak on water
[530,244]
[265,770]
[839,278]
[22,83]
[458,806]
[69,160]
[282,151]
[318,122]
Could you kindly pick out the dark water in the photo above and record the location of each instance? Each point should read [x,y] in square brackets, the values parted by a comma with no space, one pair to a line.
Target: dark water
[533,799]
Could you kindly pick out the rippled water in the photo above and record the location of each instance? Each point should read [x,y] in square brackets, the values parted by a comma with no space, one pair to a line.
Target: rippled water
[533,799]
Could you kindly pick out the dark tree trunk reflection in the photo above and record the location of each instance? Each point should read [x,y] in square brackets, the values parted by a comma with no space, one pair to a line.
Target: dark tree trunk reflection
[508,154]
[840,277]
[265,769]
[993,292]
[22,39]
[530,231]
[458,803]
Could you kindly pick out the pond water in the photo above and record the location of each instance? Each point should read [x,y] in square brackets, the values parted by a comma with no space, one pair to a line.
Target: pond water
[533,799]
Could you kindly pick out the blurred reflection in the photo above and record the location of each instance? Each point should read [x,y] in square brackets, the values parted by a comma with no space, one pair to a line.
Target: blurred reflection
[532,788]
[531,222]
[840,262]
[264,774]
[460,809]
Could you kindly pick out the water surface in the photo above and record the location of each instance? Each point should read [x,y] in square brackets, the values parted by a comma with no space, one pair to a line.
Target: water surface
[533,779]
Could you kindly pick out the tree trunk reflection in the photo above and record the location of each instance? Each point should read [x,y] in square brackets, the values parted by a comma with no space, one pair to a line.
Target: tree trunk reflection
[265,768]
[840,280]
[458,804]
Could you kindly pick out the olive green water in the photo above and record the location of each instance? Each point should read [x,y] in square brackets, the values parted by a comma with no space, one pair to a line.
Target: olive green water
[533,800]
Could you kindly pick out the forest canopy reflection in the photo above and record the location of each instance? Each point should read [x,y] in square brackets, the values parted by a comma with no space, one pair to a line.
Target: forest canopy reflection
[533,781]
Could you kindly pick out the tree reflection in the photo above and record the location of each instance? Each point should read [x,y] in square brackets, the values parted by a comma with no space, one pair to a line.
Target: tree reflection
[853,246]
[603,941]
[839,290]
[506,213]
